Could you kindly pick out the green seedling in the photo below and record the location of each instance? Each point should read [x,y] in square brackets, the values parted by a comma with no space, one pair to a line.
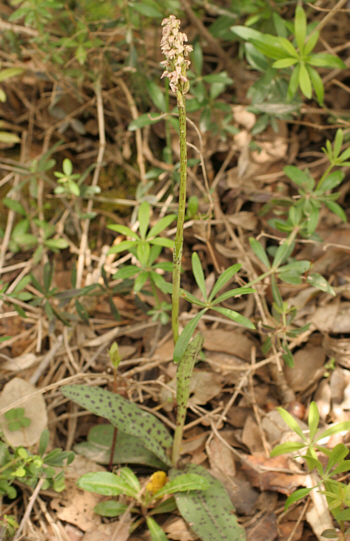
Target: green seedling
[21,465]
[296,58]
[16,419]
[336,492]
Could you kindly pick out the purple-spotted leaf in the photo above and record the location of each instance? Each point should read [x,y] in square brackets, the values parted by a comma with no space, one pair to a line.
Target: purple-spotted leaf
[210,512]
[125,415]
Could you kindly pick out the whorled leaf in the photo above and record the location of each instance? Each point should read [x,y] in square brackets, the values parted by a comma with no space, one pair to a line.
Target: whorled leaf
[125,415]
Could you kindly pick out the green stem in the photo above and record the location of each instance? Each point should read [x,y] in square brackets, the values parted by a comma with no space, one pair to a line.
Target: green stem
[181,216]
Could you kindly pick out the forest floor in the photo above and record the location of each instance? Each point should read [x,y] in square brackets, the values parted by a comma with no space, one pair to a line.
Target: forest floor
[55,244]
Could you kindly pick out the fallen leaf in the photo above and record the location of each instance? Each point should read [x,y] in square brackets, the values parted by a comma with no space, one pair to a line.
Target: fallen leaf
[264,529]
[34,409]
[17,364]
[251,436]
[233,342]
[318,515]
[203,387]
[308,368]
[273,480]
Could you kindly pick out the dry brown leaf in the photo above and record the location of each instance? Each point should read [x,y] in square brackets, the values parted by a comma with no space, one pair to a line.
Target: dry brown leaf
[265,529]
[323,398]
[286,528]
[17,364]
[177,529]
[318,515]
[34,409]
[233,342]
[251,436]
[273,480]
[221,458]
[308,368]
[203,387]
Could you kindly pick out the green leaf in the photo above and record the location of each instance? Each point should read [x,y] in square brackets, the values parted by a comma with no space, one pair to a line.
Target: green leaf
[289,48]
[125,245]
[144,120]
[185,337]
[342,515]
[126,272]
[324,60]
[288,447]
[110,508]
[67,167]
[105,483]
[197,57]
[334,207]
[291,422]
[14,205]
[305,82]
[183,483]
[124,230]
[284,63]
[313,419]
[166,506]
[8,73]
[317,83]
[210,513]
[128,449]
[339,452]
[259,252]
[82,312]
[293,83]
[130,478]
[295,174]
[321,283]
[140,281]
[157,534]
[162,241]
[218,78]
[338,142]
[56,244]
[296,496]
[148,11]
[233,293]
[300,27]
[126,416]
[143,217]
[336,429]
[156,95]
[234,316]
[331,181]
[223,279]
[161,225]
[282,252]
[296,266]
[199,274]
[311,42]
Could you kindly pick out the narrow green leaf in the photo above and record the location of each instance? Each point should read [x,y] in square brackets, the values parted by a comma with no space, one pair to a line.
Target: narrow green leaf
[297,266]
[125,245]
[105,483]
[143,217]
[259,252]
[234,316]
[223,279]
[233,293]
[144,120]
[338,142]
[288,447]
[313,419]
[110,508]
[295,174]
[311,43]
[339,452]
[289,48]
[281,254]
[296,496]
[126,272]
[293,83]
[291,422]
[336,429]
[321,283]
[210,513]
[124,230]
[8,73]
[14,205]
[305,82]
[161,225]
[191,298]
[157,534]
[185,337]
[334,207]
[324,60]
[183,483]
[300,27]
[284,63]
[317,84]
[123,414]
[199,274]
[156,95]
[130,478]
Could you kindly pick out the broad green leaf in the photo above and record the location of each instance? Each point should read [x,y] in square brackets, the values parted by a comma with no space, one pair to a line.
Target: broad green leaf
[234,316]
[295,174]
[288,447]
[291,422]
[166,506]
[128,449]
[284,63]
[183,483]
[210,513]
[130,478]
[259,252]
[342,515]
[105,483]
[124,230]
[305,82]
[199,274]
[320,282]
[331,181]
[161,225]
[297,266]
[157,534]
[313,419]
[270,46]
[125,415]
[223,279]
[336,429]
[186,336]
[110,508]
[290,277]
[317,84]
[56,244]
[300,27]
[311,42]
[143,217]
[296,496]
[156,94]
